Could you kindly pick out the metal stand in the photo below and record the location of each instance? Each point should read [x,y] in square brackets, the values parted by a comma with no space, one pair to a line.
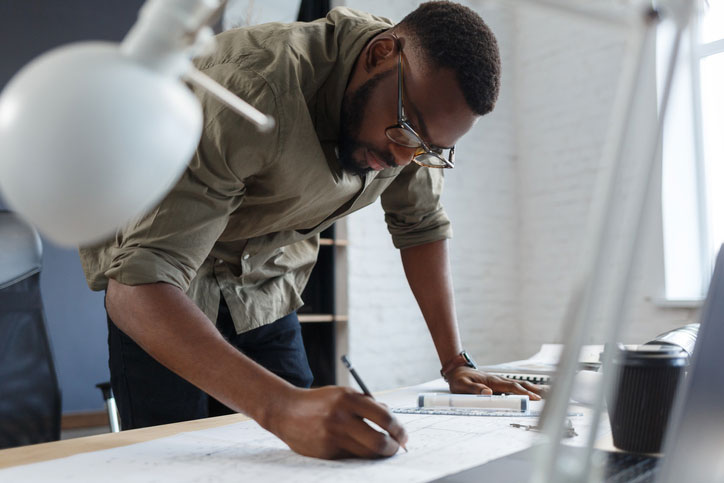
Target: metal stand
[114,422]
[600,247]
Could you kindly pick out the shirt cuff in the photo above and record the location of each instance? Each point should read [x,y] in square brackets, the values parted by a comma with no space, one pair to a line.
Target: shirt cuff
[412,237]
[143,265]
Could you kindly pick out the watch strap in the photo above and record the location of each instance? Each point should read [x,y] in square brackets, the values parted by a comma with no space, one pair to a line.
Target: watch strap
[460,360]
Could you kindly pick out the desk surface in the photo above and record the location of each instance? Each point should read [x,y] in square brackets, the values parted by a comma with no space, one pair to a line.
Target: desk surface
[58,449]
[227,448]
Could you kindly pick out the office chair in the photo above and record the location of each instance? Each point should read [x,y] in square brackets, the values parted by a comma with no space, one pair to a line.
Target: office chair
[29,394]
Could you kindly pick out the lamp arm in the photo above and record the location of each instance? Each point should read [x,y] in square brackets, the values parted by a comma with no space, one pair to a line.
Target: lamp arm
[550,465]
[578,320]
[641,196]
[169,33]
[262,121]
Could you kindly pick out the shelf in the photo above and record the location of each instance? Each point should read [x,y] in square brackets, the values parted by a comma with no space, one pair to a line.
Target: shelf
[305,318]
[331,241]
[324,330]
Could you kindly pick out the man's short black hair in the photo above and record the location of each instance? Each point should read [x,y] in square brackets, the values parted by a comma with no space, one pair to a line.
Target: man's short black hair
[453,36]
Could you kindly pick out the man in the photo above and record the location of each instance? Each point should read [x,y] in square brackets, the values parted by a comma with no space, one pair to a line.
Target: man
[355,100]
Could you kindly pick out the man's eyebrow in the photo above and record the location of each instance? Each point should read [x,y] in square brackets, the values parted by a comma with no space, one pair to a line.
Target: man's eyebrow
[423,128]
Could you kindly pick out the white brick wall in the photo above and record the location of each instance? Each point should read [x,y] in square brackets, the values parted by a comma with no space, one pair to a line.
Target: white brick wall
[566,74]
[519,200]
[388,337]
[565,85]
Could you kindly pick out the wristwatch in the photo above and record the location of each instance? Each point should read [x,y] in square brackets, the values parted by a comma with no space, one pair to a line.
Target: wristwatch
[462,359]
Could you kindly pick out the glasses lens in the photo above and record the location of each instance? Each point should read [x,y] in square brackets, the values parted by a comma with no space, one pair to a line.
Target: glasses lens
[426,159]
[403,137]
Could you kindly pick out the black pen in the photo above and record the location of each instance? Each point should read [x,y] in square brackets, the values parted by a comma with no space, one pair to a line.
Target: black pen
[361,384]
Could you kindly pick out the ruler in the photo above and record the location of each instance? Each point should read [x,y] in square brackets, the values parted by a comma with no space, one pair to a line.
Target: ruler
[467,412]
[473,412]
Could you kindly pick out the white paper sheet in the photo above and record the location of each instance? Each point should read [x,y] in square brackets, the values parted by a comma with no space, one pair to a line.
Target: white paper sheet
[438,445]
[545,360]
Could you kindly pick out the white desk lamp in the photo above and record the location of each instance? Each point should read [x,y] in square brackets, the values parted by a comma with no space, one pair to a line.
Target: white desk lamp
[95,133]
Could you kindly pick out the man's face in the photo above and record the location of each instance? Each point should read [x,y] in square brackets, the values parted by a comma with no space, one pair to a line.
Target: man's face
[433,102]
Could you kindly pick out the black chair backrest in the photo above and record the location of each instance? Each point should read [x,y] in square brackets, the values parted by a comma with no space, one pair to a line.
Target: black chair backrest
[30,403]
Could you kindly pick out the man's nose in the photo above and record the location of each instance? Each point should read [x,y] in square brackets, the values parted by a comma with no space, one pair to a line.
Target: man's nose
[402,154]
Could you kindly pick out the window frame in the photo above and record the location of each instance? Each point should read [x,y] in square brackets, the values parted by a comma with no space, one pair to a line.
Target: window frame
[699,261]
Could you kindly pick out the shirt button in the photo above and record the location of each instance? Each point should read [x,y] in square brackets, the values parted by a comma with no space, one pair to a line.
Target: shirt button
[246,256]
[219,262]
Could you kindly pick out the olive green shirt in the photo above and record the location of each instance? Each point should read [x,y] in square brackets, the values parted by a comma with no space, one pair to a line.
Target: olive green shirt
[244,219]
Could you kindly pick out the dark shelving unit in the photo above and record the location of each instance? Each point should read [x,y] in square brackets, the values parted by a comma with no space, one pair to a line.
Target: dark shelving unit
[324,314]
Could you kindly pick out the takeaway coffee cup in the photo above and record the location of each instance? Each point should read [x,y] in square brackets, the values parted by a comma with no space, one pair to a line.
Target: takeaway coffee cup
[648,376]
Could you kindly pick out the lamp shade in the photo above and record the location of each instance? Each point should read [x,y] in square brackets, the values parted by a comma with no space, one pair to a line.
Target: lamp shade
[89,139]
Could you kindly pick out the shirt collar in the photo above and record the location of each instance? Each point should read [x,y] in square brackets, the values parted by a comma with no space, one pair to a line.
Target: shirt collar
[351,30]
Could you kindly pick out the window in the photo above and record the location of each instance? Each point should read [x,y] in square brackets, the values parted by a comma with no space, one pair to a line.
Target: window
[693,154]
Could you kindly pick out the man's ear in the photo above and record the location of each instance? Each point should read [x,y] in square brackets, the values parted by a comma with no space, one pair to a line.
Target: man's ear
[379,52]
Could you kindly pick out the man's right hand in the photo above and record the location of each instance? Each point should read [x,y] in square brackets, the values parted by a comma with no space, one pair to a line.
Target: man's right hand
[324,423]
[329,423]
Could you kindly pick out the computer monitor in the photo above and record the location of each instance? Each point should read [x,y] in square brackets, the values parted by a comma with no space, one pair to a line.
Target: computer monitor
[694,444]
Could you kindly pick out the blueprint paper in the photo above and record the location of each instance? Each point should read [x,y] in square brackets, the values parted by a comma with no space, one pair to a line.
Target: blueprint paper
[438,445]
[244,451]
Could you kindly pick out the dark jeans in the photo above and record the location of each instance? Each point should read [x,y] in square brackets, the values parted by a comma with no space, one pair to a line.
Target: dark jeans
[148,394]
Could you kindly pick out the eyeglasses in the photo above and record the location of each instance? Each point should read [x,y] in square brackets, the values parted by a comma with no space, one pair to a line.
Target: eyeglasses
[403,134]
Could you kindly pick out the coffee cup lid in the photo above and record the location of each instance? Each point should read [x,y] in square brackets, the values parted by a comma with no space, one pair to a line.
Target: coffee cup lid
[651,354]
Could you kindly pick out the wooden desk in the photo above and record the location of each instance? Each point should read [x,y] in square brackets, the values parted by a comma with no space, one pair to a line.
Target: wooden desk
[59,449]
[438,446]
[36,453]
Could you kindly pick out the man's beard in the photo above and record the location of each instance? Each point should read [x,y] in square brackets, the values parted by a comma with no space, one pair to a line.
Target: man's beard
[353,108]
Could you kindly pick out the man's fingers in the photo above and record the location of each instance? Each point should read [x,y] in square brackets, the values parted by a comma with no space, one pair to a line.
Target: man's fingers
[515,388]
[466,380]
[368,408]
[536,389]
[471,387]
[352,448]
[482,389]
[366,442]
[526,388]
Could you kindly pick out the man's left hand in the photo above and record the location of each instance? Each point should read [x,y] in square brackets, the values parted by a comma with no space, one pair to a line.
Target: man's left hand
[466,380]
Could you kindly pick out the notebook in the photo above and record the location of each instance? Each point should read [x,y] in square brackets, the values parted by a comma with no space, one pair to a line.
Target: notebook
[539,368]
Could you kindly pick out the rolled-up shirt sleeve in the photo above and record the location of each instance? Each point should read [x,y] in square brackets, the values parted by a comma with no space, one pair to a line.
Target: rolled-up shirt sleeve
[413,211]
[170,243]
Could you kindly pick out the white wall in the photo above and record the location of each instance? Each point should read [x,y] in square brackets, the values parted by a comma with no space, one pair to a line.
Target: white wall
[566,75]
[519,199]
[388,337]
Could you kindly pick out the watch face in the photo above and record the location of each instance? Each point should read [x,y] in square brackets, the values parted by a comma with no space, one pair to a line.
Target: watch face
[469,361]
